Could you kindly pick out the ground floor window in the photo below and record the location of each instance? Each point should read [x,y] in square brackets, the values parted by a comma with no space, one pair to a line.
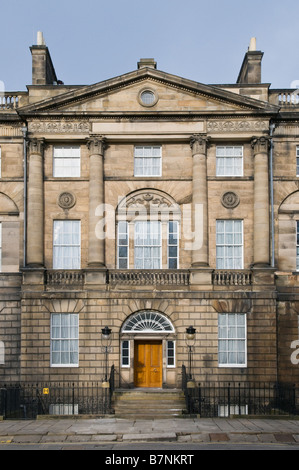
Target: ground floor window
[64,340]
[125,353]
[232,340]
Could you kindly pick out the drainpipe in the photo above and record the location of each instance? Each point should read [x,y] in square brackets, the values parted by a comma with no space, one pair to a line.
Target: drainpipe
[272,127]
[24,131]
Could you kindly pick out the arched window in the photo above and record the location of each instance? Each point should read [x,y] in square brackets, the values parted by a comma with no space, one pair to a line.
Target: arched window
[147,321]
[148,231]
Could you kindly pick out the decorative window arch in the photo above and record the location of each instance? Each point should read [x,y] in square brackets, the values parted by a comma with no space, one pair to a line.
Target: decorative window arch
[145,217]
[147,321]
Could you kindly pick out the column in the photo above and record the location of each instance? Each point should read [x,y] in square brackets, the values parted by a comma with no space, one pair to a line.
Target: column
[200,255]
[96,247]
[35,220]
[261,210]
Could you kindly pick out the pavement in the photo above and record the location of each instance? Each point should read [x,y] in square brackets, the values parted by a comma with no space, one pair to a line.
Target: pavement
[106,430]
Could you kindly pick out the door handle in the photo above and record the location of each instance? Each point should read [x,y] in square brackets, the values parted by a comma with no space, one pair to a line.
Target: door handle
[155,370]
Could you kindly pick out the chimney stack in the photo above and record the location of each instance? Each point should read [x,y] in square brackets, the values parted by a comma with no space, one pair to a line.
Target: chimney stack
[43,72]
[251,69]
[150,63]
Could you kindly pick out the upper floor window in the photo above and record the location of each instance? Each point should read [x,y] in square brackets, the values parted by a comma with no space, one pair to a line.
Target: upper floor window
[147,249]
[297,161]
[148,245]
[229,244]
[297,246]
[147,160]
[66,244]
[66,161]
[229,160]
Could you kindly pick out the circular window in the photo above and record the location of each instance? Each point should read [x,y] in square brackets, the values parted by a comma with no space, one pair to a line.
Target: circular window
[148,98]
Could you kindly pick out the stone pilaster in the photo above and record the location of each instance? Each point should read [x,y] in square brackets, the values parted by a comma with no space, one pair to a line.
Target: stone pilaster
[200,254]
[261,210]
[96,247]
[35,220]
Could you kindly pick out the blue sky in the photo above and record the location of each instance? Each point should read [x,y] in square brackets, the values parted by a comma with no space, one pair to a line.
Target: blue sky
[93,40]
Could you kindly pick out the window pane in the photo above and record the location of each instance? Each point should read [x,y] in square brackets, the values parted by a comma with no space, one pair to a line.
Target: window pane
[64,339]
[66,244]
[232,339]
[229,161]
[147,161]
[66,161]
[229,244]
[147,248]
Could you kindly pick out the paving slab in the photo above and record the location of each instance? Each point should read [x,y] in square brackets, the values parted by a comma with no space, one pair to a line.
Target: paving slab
[149,437]
[218,437]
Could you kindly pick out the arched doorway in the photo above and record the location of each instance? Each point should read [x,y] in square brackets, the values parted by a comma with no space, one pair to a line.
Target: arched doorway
[148,349]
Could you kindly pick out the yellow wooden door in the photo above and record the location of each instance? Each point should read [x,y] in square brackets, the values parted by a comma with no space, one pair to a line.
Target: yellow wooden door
[148,364]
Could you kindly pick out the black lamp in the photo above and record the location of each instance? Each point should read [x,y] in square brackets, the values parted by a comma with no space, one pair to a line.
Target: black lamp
[190,339]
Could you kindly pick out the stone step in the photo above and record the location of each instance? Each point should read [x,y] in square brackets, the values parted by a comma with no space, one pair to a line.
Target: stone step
[148,403]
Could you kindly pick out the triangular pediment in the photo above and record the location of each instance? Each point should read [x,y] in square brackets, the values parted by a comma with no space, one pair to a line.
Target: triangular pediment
[171,95]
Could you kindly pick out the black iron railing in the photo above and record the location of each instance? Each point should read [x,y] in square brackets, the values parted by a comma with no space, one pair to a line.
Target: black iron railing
[240,398]
[27,401]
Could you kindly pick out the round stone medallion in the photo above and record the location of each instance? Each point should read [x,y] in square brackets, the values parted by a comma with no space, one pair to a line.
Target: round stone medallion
[66,200]
[230,200]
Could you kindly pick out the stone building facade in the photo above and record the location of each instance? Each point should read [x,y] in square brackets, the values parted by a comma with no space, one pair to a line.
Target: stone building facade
[149,203]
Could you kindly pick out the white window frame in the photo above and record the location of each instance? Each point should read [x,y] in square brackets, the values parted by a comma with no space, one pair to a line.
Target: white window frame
[146,247]
[227,159]
[168,357]
[65,339]
[230,242]
[69,157]
[225,410]
[171,243]
[144,159]
[229,335]
[64,246]
[122,261]
[127,355]
[297,160]
[60,409]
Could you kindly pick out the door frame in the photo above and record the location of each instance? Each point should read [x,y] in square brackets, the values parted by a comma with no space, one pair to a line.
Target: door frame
[148,366]
[127,373]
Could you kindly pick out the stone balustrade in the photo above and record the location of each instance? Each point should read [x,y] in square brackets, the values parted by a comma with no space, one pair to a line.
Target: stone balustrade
[65,277]
[10,101]
[140,277]
[284,98]
[232,278]
[73,278]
